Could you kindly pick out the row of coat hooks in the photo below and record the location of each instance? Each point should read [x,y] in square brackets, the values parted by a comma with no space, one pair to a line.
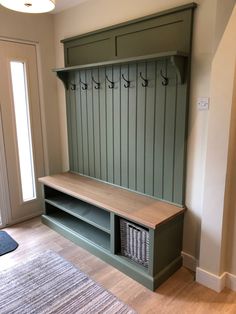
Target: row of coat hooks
[111,85]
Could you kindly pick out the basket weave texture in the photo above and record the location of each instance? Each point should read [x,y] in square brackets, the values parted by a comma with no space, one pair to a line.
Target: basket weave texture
[134,242]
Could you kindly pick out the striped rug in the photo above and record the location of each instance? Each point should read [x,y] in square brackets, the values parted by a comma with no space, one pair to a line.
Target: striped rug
[50,284]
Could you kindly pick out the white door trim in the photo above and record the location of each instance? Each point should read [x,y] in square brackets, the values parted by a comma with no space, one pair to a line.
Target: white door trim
[41,94]
[5,205]
[5,208]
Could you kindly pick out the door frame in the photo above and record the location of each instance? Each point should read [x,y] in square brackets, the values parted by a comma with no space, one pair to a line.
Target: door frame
[4,185]
[4,188]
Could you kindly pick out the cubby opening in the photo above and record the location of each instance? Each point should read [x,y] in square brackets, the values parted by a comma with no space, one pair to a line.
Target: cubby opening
[80,227]
[91,214]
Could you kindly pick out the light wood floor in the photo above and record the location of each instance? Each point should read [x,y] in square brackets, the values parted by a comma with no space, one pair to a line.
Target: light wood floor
[179,294]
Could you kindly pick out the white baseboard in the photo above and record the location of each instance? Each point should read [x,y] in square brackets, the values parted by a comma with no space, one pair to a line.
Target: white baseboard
[189,261]
[217,283]
[231,281]
[210,280]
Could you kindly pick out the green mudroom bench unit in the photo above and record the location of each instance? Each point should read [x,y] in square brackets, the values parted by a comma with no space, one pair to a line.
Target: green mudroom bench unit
[92,214]
[127,94]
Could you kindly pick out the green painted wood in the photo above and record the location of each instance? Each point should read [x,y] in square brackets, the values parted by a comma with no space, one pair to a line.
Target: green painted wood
[132,140]
[97,127]
[84,121]
[171,233]
[150,74]
[83,229]
[69,131]
[110,129]
[62,73]
[92,215]
[123,264]
[79,124]
[124,108]
[73,124]
[103,124]
[133,137]
[180,144]
[141,131]
[102,48]
[113,233]
[160,32]
[169,138]
[117,123]
[159,130]
[90,112]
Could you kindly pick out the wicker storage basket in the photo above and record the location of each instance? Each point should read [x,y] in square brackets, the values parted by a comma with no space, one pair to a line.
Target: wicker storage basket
[134,242]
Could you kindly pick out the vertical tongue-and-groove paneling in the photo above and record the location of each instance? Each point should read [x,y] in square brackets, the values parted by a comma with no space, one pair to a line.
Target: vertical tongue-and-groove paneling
[129,136]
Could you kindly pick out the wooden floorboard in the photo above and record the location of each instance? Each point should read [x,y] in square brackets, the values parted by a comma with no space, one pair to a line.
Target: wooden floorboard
[179,294]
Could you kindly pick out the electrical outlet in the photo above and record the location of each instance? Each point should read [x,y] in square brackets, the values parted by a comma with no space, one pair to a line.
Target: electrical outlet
[203,103]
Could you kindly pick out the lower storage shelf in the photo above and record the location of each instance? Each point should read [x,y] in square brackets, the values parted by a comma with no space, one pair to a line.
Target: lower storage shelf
[96,236]
[141,237]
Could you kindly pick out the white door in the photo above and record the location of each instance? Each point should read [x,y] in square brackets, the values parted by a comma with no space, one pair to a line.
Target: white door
[22,143]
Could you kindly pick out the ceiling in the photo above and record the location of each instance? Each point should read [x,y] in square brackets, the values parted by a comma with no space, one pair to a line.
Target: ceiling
[66,4]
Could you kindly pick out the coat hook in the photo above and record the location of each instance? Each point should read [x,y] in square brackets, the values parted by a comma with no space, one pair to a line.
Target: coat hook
[165,81]
[112,83]
[97,86]
[85,85]
[73,86]
[127,81]
[145,81]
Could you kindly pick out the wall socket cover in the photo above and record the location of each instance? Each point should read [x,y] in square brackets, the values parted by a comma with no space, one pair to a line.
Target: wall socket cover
[203,103]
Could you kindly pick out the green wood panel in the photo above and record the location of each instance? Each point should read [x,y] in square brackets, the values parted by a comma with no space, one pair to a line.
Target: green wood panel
[169,139]
[84,211]
[163,34]
[97,130]
[134,137]
[164,31]
[84,110]
[73,121]
[150,74]
[141,128]
[79,124]
[103,124]
[110,129]
[90,112]
[117,123]
[180,145]
[69,128]
[132,142]
[125,127]
[159,131]
[93,49]
[89,232]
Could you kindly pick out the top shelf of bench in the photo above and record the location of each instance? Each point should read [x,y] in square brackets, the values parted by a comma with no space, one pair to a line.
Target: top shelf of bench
[142,209]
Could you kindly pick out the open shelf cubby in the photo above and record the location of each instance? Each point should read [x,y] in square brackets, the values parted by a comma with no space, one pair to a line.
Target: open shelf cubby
[91,214]
[80,227]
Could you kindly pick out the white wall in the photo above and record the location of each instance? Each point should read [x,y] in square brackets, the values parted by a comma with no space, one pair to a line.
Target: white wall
[95,14]
[222,80]
[39,28]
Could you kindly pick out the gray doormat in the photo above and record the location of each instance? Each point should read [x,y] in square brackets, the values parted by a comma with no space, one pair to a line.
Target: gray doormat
[7,244]
[49,284]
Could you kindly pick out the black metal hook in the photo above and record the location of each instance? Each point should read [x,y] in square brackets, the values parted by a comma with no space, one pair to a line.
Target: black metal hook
[127,81]
[97,86]
[112,83]
[85,85]
[145,81]
[165,81]
[73,86]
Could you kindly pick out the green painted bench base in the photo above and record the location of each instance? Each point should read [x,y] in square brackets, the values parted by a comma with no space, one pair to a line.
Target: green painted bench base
[133,270]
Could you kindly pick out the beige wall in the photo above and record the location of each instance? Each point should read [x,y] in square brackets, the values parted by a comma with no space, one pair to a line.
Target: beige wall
[39,28]
[215,211]
[96,14]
